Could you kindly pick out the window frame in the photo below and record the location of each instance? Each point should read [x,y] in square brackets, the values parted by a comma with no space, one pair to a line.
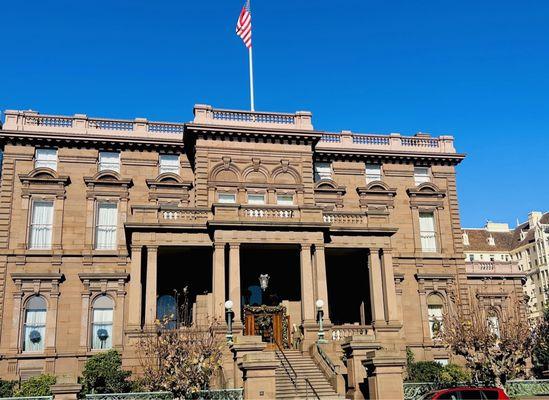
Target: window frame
[425,235]
[291,196]
[98,205]
[422,178]
[42,325]
[46,163]
[169,169]
[373,177]
[93,323]
[31,224]
[220,201]
[254,203]
[108,165]
[322,176]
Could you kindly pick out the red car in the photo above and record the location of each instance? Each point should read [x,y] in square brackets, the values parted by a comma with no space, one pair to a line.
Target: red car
[467,393]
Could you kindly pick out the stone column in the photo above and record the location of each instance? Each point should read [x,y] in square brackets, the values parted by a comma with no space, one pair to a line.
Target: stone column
[390,297]
[234,280]
[218,283]
[376,288]
[307,294]
[134,308]
[321,280]
[17,314]
[150,298]
[51,321]
[84,320]
[259,375]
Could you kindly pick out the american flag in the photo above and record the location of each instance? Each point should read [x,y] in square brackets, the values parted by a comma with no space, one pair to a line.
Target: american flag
[244,25]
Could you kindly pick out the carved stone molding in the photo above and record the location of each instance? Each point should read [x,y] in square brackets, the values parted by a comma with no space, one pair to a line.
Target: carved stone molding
[169,188]
[426,195]
[329,194]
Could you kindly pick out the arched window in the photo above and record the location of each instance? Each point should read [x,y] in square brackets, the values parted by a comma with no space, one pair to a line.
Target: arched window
[493,322]
[35,324]
[435,307]
[166,310]
[102,316]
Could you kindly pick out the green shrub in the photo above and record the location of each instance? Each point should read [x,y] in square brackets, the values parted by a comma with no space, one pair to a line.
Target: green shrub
[453,373]
[103,373]
[36,386]
[6,388]
[424,371]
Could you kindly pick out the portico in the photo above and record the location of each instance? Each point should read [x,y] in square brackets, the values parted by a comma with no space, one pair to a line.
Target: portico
[299,265]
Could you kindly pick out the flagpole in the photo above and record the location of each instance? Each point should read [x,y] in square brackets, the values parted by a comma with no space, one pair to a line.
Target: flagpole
[251,80]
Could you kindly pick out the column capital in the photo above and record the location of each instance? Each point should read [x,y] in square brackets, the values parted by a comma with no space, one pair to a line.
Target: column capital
[305,246]
[136,247]
[387,250]
[374,249]
[219,245]
[234,245]
[152,247]
[320,246]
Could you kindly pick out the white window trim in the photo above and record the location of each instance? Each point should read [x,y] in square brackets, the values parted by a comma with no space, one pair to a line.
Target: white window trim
[45,163]
[283,203]
[255,202]
[220,200]
[35,227]
[105,165]
[428,237]
[96,244]
[370,176]
[327,174]
[166,167]
[420,178]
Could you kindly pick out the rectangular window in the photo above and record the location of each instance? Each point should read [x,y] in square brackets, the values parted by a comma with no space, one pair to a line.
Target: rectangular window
[106,224]
[109,161]
[421,175]
[169,163]
[323,171]
[41,225]
[373,172]
[226,198]
[284,199]
[471,257]
[427,232]
[45,158]
[102,328]
[256,198]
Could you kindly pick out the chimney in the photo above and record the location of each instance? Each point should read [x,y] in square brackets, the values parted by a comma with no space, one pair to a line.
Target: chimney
[534,217]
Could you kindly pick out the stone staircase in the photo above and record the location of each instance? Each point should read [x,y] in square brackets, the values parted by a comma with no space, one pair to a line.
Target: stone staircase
[304,367]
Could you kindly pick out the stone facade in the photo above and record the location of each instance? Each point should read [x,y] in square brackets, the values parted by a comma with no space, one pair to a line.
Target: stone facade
[515,258]
[102,231]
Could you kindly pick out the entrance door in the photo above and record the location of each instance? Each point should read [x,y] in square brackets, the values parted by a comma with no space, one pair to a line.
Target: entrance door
[269,322]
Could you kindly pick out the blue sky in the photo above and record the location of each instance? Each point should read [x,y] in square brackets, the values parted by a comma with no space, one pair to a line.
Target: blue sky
[478,70]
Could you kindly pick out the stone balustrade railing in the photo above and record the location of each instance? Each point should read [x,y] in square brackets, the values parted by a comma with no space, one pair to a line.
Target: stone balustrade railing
[493,267]
[185,214]
[205,114]
[344,218]
[267,212]
[421,142]
[340,332]
[82,124]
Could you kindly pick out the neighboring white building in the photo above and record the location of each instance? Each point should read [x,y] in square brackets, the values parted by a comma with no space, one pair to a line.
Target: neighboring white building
[525,247]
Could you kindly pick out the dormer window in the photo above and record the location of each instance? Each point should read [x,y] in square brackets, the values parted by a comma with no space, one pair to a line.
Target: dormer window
[323,171]
[373,173]
[421,175]
[491,241]
[109,161]
[45,158]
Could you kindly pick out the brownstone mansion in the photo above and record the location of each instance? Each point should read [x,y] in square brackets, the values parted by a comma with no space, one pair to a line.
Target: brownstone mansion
[107,225]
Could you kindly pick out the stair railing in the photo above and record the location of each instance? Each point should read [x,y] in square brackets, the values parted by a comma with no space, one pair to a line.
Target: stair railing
[290,371]
[309,385]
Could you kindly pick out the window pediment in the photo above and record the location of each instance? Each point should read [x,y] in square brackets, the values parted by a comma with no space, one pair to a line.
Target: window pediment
[426,195]
[108,183]
[328,193]
[44,181]
[169,188]
[376,197]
